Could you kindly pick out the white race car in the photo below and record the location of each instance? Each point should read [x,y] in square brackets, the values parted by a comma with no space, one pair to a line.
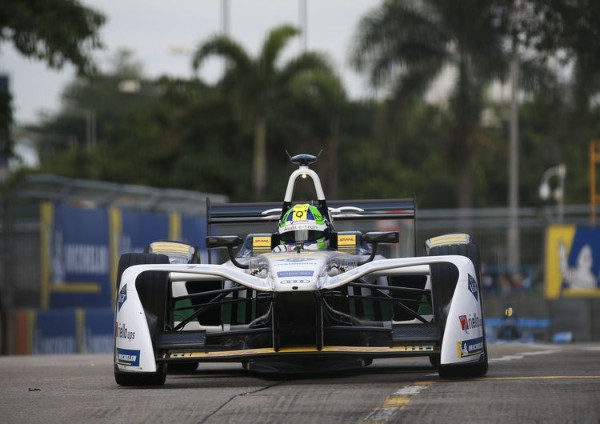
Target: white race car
[301,294]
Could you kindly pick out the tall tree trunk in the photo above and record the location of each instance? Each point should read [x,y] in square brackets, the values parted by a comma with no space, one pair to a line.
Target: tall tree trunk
[259,179]
[467,106]
[465,191]
[465,183]
[333,158]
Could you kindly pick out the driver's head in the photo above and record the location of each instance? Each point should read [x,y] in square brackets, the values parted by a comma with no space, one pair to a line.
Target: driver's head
[304,224]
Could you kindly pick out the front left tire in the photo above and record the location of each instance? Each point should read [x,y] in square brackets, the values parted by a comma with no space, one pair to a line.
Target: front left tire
[152,288]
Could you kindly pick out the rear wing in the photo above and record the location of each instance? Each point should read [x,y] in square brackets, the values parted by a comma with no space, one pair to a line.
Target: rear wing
[341,210]
[347,215]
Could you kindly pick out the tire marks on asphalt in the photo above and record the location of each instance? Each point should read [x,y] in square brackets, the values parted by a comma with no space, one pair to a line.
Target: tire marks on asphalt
[232,398]
[395,402]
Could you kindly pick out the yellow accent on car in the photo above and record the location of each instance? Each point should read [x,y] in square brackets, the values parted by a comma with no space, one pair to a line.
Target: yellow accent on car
[347,240]
[169,247]
[300,212]
[449,239]
[261,242]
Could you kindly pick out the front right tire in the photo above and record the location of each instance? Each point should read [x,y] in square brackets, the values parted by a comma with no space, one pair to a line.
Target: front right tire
[443,283]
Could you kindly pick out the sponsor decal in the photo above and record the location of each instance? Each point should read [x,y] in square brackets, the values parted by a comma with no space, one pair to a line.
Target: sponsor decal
[473,287]
[288,262]
[123,333]
[128,357]
[295,281]
[470,347]
[468,322]
[295,260]
[347,240]
[302,225]
[261,242]
[122,296]
[300,273]
[300,212]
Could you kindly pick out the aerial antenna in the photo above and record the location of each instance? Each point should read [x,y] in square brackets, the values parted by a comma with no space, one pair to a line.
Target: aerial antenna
[303,159]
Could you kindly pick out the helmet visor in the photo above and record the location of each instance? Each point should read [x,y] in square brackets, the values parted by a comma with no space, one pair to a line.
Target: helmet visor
[301,236]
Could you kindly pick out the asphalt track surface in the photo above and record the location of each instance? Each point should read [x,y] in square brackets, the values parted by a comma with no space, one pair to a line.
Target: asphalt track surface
[526,383]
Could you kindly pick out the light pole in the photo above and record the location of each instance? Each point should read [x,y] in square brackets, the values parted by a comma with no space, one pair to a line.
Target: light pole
[303,18]
[513,237]
[545,190]
[225,18]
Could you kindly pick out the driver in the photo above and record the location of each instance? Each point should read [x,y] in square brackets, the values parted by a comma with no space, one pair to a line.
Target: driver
[304,226]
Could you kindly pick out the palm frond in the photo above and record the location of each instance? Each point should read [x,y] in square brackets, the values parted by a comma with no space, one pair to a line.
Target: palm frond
[224,47]
[274,43]
[396,35]
[308,61]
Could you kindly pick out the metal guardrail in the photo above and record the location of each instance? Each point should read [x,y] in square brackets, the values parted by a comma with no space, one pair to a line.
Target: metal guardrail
[105,194]
[431,219]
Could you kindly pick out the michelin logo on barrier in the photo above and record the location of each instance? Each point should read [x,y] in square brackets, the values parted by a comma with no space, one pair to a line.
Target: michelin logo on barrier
[77,258]
[128,357]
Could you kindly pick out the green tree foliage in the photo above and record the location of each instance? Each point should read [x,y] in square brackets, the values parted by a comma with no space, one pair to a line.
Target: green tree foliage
[54,31]
[188,134]
[560,121]
[125,121]
[549,26]
[258,86]
[405,45]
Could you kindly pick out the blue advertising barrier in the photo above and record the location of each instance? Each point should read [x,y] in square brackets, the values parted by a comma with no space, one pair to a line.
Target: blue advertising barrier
[97,330]
[193,231]
[139,229]
[81,246]
[64,331]
[80,249]
[75,257]
[55,331]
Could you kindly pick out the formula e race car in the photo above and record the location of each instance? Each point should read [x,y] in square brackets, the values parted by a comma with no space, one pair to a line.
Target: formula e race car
[300,293]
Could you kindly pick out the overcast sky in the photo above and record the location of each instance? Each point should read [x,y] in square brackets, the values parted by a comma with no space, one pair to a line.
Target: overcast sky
[162,37]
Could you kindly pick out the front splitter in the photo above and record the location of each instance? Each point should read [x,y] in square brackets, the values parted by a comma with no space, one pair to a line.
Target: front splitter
[245,354]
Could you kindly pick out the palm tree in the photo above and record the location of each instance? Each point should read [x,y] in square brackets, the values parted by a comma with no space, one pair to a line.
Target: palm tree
[406,44]
[258,85]
[319,98]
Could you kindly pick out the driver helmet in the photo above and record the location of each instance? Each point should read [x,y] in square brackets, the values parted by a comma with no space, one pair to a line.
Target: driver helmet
[304,224]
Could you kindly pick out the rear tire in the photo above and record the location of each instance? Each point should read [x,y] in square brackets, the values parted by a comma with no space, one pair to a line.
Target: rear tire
[443,283]
[152,288]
